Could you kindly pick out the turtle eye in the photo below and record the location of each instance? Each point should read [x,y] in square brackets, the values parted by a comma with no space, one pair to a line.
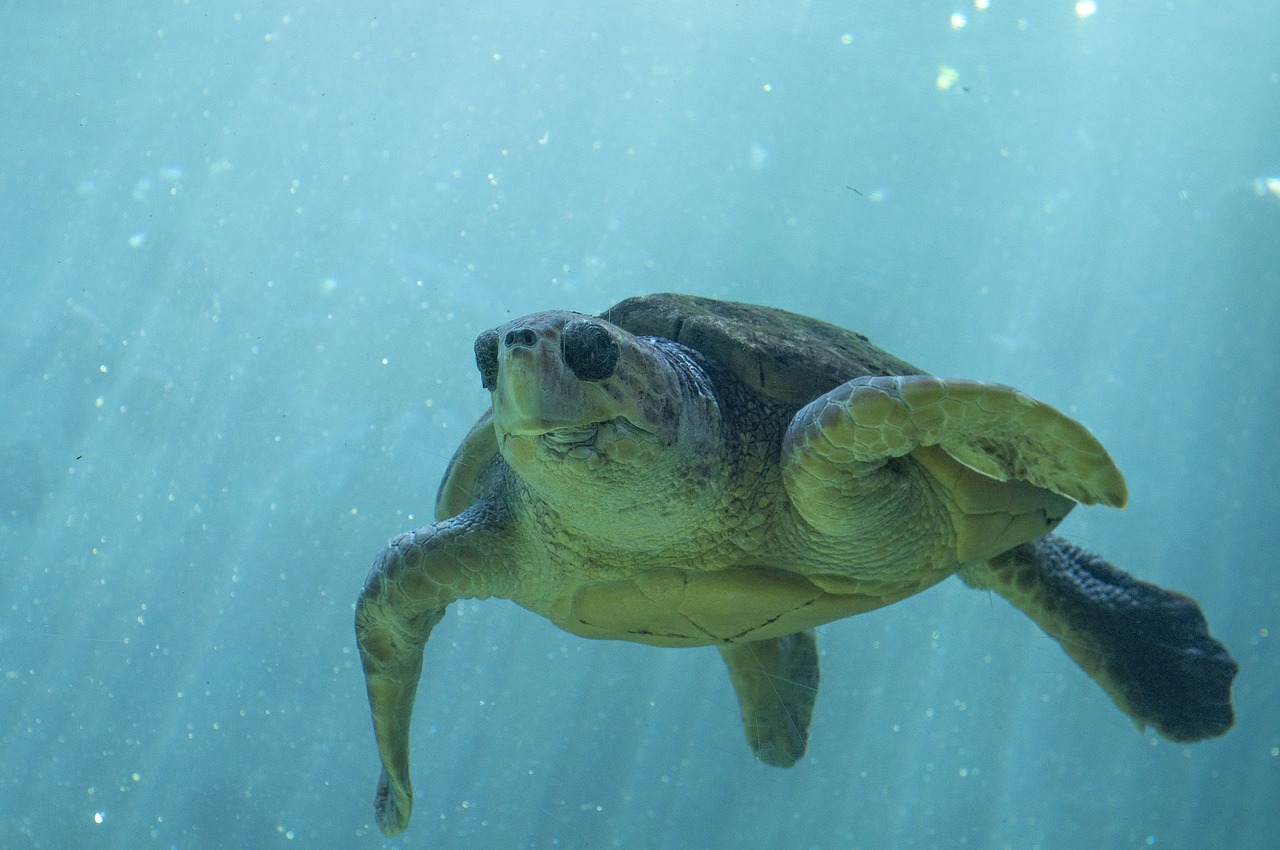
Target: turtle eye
[487,358]
[589,350]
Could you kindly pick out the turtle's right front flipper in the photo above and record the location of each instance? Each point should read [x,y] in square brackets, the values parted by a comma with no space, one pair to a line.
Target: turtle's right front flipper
[1148,647]
[1007,468]
[412,581]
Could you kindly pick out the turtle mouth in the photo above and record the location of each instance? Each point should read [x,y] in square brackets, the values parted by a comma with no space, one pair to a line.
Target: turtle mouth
[593,443]
[576,443]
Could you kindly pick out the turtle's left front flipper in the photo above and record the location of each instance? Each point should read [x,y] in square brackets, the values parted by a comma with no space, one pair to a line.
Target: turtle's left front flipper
[411,584]
[1148,647]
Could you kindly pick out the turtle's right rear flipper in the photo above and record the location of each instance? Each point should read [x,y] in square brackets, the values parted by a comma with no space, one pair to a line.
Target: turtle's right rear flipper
[1148,647]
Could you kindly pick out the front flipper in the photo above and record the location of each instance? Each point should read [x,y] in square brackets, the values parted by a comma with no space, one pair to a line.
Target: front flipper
[1149,648]
[777,683]
[411,583]
[993,429]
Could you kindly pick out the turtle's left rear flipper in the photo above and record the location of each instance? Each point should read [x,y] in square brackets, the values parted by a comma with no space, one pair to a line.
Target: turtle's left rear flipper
[1148,647]
[777,683]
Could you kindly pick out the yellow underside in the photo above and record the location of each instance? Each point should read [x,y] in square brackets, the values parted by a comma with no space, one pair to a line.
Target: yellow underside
[667,607]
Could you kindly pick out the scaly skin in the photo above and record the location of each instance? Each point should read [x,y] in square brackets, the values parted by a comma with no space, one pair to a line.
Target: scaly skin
[405,596]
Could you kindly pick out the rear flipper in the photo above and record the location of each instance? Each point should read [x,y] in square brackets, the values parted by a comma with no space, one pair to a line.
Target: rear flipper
[1148,647]
[777,683]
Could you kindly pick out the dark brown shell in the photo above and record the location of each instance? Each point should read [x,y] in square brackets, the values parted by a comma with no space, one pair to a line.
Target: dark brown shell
[785,356]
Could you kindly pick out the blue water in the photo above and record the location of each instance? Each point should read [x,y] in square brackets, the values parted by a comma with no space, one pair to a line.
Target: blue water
[245,249]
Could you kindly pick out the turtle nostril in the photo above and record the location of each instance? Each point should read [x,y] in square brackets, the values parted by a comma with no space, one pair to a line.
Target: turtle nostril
[520,338]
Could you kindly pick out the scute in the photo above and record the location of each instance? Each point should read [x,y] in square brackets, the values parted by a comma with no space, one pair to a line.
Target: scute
[785,356]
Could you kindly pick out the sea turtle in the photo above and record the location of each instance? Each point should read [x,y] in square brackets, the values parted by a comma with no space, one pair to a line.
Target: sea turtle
[681,471]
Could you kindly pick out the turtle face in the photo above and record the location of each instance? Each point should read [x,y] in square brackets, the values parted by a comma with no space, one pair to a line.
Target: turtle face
[573,394]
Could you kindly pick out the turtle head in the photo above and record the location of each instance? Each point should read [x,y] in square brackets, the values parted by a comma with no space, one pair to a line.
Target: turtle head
[574,395]
[547,371]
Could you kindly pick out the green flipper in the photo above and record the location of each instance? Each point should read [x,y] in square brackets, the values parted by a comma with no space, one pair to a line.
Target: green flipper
[777,682]
[412,582]
[1006,468]
[1149,648]
[993,429]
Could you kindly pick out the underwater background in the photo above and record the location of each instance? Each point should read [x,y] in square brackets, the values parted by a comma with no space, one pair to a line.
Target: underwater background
[245,249]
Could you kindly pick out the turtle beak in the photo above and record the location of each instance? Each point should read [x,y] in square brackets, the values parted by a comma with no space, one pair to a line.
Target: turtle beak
[535,393]
[534,388]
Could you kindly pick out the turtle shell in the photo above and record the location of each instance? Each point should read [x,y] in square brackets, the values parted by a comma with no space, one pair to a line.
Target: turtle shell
[782,355]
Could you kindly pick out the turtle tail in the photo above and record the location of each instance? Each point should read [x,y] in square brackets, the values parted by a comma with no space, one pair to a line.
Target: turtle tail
[1149,648]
